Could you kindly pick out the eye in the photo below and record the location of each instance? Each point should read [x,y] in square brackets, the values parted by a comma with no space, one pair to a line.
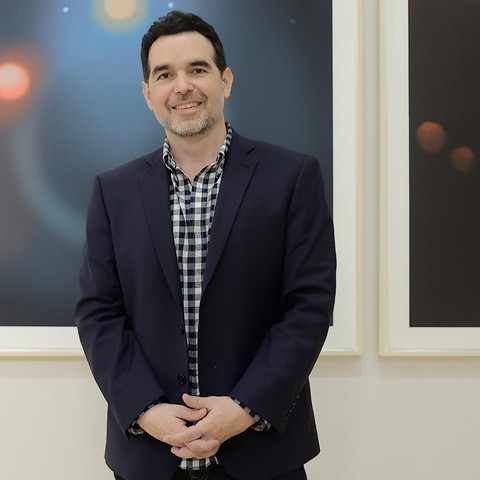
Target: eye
[163,76]
[198,71]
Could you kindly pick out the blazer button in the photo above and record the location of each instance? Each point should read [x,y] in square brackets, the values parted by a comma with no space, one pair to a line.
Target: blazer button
[182,379]
[181,329]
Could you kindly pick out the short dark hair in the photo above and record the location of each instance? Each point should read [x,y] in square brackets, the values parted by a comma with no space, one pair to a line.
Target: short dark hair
[177,22]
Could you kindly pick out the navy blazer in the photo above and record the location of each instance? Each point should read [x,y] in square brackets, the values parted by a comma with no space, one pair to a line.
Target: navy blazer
[267,301]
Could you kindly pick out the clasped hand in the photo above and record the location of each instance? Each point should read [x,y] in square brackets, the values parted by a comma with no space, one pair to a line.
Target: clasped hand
[215,420]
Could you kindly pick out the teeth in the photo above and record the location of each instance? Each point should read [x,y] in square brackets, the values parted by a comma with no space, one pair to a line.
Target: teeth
[186,105]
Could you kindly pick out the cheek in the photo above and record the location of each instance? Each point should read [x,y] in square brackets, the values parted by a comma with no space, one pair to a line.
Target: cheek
[159,103]
[157,95]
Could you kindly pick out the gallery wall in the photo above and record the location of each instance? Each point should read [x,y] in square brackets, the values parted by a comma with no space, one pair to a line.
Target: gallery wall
[378,417]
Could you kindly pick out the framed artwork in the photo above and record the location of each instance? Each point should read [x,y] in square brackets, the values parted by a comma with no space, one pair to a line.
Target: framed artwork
[52,146]
[430,180]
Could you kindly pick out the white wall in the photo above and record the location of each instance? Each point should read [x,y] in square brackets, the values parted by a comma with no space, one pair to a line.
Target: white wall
[52,421]
[378,418]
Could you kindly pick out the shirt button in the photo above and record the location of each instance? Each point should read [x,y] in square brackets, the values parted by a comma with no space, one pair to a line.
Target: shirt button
[182,379]
[198,278]
[197,229]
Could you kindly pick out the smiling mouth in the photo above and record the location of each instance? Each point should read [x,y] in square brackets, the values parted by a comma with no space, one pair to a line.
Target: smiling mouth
[186,106]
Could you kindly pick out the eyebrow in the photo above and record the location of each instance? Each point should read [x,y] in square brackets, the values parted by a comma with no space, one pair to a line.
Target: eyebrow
[195,63]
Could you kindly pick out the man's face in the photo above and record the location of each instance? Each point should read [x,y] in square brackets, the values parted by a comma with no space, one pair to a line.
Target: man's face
[185,90]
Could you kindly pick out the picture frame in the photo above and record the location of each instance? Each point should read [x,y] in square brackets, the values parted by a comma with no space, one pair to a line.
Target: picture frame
[396,336]
[344,335]
[40,342]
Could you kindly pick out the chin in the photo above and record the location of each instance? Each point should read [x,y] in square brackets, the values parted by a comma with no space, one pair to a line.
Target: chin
[185,131]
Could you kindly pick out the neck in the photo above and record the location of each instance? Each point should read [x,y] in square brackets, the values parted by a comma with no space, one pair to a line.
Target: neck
[194,153]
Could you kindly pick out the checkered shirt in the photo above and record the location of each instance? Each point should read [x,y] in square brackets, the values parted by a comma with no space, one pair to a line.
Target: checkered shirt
[192,206]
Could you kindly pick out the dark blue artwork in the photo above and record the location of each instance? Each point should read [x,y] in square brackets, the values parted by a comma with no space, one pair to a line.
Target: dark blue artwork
[71,107]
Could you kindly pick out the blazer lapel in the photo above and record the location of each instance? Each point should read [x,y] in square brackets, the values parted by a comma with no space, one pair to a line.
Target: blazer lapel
[154,185]
[238,171]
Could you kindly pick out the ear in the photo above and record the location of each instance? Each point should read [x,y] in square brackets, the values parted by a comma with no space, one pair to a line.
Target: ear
[146,95]
[227,79]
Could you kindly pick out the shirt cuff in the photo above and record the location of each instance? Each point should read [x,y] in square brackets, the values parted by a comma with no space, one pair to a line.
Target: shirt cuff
[260,424]
[135,429]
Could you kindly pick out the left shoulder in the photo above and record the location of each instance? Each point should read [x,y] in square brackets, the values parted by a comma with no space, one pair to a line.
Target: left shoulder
[266,152]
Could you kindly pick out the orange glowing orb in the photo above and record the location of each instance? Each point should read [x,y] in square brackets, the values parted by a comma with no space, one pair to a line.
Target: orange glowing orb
[431,137]
[463,159]
[120,9]
[14,81]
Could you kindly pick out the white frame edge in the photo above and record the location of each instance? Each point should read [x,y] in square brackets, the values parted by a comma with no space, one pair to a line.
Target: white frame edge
[40,342]
[344,335]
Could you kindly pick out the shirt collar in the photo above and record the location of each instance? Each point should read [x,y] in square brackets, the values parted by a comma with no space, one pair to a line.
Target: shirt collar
[217,165]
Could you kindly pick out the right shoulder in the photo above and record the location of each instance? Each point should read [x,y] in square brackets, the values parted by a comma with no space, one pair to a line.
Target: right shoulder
[133,167]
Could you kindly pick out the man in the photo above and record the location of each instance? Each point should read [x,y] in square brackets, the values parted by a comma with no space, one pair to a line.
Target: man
[208,283]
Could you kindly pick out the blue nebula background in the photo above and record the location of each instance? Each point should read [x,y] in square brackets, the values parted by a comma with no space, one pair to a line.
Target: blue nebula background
[87,114]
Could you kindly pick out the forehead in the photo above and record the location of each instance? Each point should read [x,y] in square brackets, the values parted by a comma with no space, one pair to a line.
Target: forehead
[181,48]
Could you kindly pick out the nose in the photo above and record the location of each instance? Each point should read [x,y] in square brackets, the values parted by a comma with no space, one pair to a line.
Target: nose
[182,84]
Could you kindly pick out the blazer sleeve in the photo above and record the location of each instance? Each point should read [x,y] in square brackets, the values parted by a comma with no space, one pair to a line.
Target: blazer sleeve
[275,377]
[116,360]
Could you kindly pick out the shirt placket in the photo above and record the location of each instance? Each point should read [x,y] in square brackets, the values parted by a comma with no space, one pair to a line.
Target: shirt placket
[195,201]
[193,272]
[195,282]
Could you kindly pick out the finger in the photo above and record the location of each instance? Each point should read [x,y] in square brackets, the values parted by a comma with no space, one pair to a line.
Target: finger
[194,402]
[173,441]
[185,452]
[190,414]
[195,415]
[182,452]
[184,436]
[202,445]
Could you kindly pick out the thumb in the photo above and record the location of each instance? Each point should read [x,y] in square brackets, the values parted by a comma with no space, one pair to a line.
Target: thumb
[195,415]
[194,402]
